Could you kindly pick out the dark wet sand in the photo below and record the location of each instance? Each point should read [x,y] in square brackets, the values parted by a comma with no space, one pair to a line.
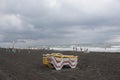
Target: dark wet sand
[27,65]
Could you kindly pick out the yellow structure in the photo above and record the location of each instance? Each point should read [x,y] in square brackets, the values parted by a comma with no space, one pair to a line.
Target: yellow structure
[58,60]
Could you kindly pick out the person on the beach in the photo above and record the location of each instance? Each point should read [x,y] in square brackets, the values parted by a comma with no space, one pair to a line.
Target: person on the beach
[73,48]
[81,49]
[76,48]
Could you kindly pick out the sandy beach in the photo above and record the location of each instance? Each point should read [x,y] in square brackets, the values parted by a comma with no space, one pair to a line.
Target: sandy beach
[27,65]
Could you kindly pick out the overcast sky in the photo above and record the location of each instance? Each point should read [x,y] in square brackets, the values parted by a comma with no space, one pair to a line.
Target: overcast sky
[42,22]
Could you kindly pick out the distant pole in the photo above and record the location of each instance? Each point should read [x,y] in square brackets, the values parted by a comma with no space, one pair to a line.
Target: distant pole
[13,46]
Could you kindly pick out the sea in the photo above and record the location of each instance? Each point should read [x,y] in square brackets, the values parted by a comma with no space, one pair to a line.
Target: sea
[87,47]
[99,47]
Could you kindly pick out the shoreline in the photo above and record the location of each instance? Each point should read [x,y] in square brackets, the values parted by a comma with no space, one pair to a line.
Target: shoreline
[17,50]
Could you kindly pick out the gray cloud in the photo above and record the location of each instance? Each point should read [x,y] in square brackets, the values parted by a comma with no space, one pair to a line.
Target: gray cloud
[59,21]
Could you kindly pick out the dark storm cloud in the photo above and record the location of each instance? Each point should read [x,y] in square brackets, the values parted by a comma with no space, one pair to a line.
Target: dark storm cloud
[62,21]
